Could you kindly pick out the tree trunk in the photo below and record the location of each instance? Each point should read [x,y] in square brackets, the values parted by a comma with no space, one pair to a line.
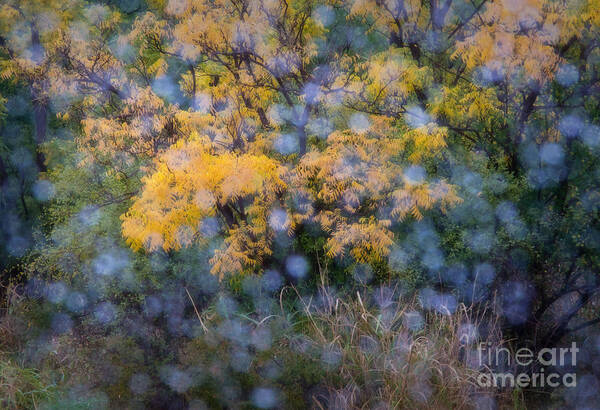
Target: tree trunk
[40,107]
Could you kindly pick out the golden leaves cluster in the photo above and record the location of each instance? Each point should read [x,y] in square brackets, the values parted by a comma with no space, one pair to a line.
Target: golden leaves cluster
[192,182]
[359,185]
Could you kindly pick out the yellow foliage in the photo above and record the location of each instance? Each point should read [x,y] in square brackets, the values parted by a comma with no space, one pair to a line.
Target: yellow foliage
[428,140]
[192,182]
[515,37]
[145,127]
[358,174]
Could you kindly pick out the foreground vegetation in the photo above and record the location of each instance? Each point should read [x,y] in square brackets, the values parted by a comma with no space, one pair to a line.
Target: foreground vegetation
[374,350]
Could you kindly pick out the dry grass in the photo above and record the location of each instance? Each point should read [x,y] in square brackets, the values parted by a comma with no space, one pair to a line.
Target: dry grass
[395,355]
[21,387]
[379,349]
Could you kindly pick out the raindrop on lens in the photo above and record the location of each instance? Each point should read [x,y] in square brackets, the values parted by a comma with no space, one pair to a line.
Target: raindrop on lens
[140,383]
[296,266]
[43,190]
[359,123]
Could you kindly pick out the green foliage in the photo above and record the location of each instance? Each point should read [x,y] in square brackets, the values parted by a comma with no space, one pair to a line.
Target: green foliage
[22,387]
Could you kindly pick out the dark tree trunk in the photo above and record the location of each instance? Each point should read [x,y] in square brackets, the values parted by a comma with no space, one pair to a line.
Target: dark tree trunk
[40,106]
[40,119]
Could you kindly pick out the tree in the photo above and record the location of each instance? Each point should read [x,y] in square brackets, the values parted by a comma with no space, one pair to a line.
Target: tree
[457,134]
